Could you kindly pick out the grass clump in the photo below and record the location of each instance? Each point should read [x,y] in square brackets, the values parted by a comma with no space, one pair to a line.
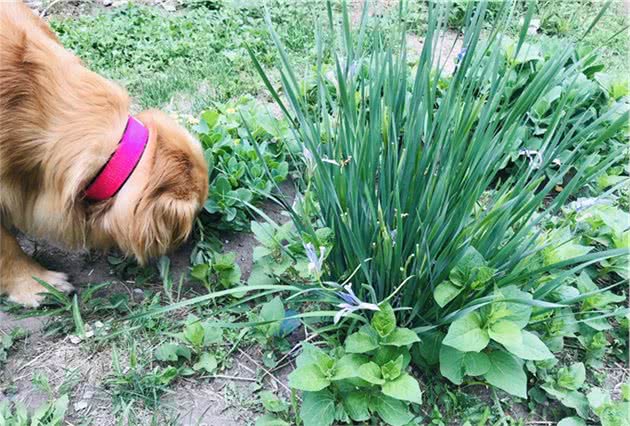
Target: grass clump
[436,199]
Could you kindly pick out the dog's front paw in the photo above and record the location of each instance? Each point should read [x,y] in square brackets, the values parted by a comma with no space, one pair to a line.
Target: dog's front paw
[28,292]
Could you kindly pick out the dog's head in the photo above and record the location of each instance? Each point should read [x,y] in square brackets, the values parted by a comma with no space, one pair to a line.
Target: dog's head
[154,211]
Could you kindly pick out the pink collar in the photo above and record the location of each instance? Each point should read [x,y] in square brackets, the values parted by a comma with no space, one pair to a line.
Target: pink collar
[121,164]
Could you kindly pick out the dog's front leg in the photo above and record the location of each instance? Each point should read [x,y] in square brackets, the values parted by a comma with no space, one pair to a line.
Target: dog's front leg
[17,271]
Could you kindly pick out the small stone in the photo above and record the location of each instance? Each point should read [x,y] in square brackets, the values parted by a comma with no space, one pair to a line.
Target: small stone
[169,6]
[107,3]
[98,324]
[81,405]
[534,26]
[75,340]
[89,334]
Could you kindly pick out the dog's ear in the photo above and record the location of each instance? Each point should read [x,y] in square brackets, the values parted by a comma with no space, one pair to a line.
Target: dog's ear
[163,223]
[164,216]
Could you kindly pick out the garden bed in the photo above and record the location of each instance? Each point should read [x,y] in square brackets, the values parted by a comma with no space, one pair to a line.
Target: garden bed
[136,351]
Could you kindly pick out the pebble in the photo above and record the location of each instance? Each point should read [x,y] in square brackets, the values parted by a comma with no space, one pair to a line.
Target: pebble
[81,405]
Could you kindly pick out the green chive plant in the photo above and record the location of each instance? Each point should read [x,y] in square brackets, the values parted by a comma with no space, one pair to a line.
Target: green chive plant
[409,168]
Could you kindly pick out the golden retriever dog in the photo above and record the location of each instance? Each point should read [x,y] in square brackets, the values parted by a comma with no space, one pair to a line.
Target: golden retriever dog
[73,171]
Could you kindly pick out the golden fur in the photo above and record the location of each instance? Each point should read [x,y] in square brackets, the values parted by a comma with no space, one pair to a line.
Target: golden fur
[60,125]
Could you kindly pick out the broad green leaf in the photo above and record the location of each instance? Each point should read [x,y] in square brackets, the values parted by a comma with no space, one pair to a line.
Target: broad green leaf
[572,377]
[461,274]
[340,413]
[445,292]
[400,337]
[476,363]
[452,364]
[311,354]
[392,411]
[272,403]
[194,333]
[273,311]
[384,354]
[222,185]
[200,272]
[466,334]
[206,362]
[569,398]
[356,405]
[530,348]
[505,332]
[572,421]
[224,261]
[384,320]
[308,378]
[364,340]
[260,276]
[348,366]
[429,347]
[528,52]
[507,374]
[568,249]
[371,372]
[211,117]
[326,365]
[392,369]
[597,397]
[615,414]
[213,334]
[518,313]
[318,408]
[263,233]
[404,387]
[171,352]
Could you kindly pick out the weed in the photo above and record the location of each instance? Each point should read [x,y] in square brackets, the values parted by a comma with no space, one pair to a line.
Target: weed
[51,413]
[8,340]
[237,176]
[138,382]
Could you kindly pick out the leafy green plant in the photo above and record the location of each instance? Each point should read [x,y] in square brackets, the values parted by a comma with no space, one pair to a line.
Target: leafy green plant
[237,174]
[368,377]
[409,172]
[8,340]
[491,342]
[609,412]
[137,380]
[277,410]
[274,325]
[219,268]
[51,413]
[565,387]
[281,253]
[192,352]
